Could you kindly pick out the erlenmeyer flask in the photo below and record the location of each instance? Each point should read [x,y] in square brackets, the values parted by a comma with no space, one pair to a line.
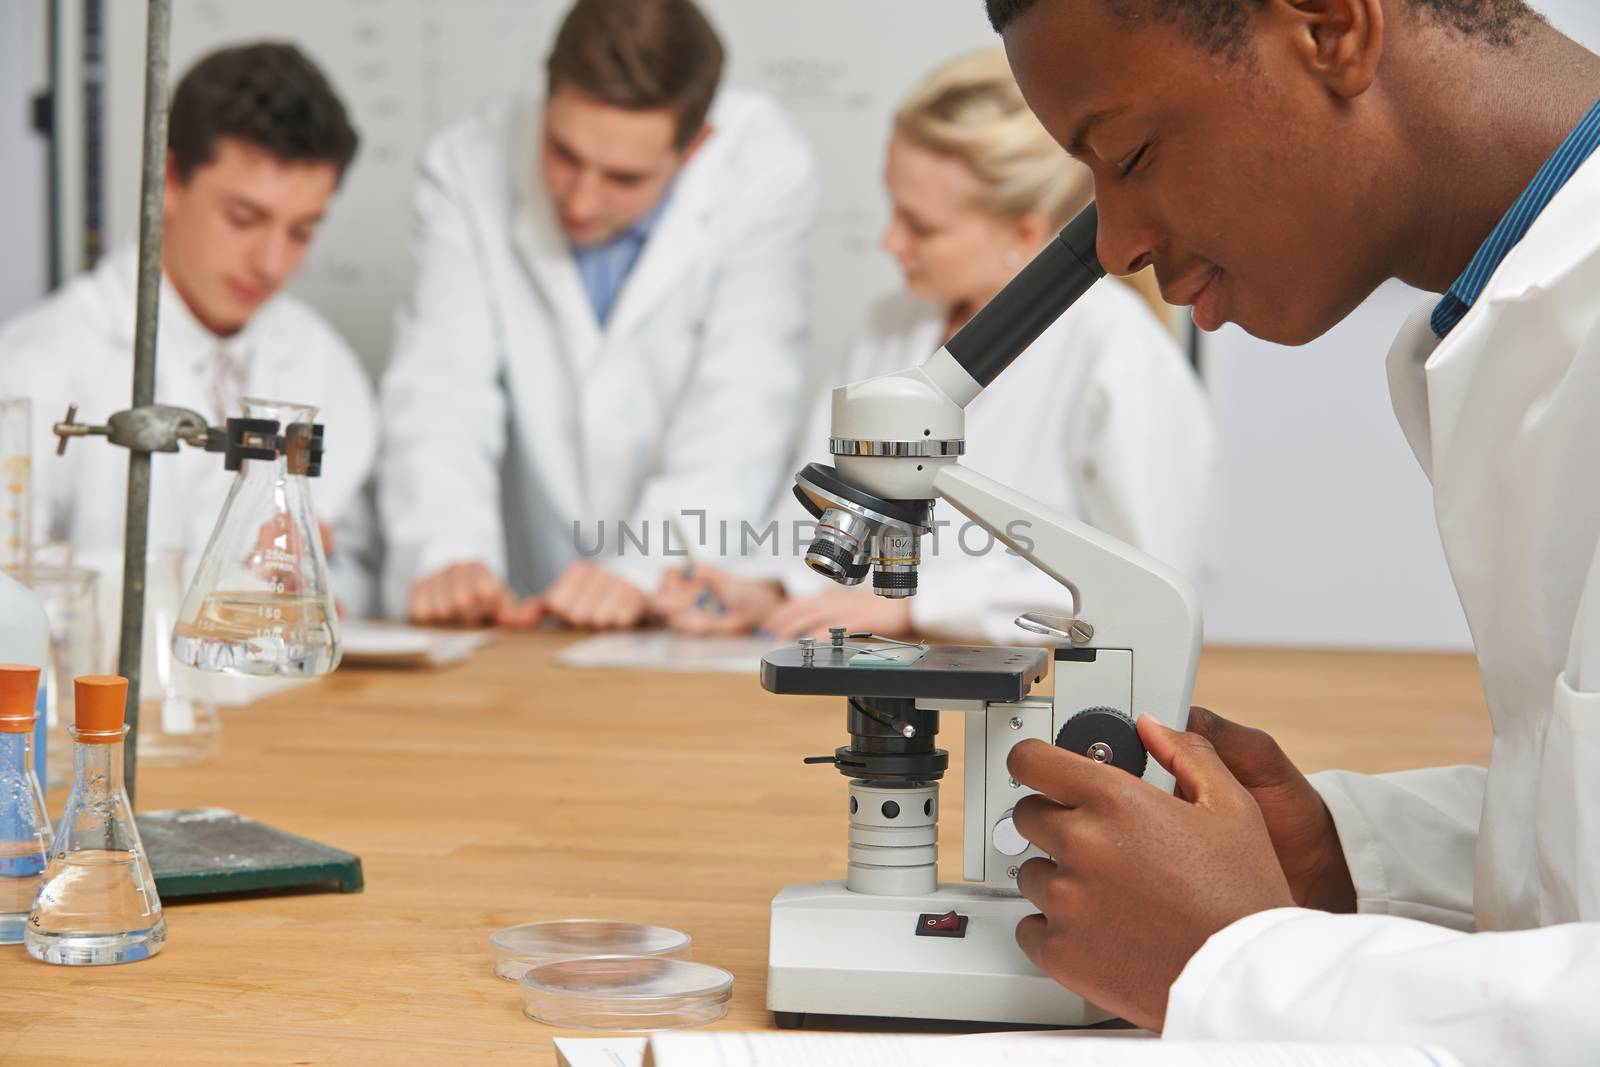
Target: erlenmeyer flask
[260,602]
[24,827]
[97,901]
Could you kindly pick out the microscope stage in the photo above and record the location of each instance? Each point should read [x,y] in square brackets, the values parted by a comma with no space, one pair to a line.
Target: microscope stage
[951,672]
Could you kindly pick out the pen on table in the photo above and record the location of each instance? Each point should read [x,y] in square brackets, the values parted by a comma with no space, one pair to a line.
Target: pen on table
[707,601]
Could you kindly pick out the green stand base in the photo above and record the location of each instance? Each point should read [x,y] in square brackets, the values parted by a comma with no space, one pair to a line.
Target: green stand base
[202,852]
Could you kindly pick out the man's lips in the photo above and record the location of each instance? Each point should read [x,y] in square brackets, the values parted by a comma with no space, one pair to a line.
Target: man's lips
[1187,290]
[250,294]
[1201,292]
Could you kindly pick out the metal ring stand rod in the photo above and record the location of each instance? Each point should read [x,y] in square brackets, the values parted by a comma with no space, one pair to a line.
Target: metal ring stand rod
[136,528]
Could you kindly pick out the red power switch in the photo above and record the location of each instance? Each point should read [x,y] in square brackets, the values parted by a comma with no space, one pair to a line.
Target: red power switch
[947,925]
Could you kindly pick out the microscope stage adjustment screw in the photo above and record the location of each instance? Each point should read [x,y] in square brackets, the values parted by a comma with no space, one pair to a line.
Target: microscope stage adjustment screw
[838,635]
[1100,752]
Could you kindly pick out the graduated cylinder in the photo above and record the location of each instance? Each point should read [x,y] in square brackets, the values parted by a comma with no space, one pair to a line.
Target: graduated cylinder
[893,839]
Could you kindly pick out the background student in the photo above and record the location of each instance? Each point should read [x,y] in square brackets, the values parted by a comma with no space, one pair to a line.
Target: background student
[608,326]
[258,142]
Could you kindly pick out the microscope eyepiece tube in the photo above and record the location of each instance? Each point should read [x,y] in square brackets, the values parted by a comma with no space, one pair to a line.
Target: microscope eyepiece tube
[1038,296]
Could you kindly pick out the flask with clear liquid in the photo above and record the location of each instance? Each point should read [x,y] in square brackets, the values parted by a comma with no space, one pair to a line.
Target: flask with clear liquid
[260,602]
[24,826]
[97,899]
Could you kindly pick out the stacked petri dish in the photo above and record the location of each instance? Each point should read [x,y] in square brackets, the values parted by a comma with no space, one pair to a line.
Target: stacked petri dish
[599,974]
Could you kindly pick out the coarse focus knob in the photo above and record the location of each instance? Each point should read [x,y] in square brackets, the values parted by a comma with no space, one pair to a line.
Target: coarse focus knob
[1105,735]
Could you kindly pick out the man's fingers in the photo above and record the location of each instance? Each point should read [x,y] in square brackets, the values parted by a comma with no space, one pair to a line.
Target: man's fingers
[1031,930]
[794,620]
[1252,755]
[522,615]
[1201,774]
[1065,777]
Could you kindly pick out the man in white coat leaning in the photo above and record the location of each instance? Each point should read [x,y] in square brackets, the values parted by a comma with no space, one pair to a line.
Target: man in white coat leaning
[258,142]
[1276,160]
[607,329]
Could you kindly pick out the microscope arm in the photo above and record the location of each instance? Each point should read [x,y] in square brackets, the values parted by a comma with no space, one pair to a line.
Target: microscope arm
[1131,599]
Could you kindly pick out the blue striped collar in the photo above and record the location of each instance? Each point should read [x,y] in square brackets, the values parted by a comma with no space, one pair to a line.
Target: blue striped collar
[1557,170]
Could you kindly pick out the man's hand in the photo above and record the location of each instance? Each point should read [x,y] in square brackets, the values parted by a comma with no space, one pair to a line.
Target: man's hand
[592,598]
[707,601]
[468,594]
[856,609]
[1139,879]
[1302,830]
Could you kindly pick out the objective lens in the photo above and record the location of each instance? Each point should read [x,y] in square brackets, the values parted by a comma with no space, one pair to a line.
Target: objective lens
[839,548]
[895,566]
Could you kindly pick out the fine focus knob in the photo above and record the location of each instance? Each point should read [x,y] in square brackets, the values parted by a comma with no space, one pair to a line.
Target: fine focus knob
[1105,735]
[1007,841]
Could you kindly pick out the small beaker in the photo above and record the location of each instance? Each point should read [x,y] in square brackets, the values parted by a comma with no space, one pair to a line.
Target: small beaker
[260,602]
[71,601]
[16,484]
[97,899]
[175,727]
[24,826]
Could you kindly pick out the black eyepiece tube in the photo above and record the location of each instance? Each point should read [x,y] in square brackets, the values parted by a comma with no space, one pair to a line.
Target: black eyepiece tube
[1005,326]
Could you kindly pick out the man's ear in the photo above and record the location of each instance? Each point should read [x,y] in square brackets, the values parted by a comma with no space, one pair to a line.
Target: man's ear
[695,144]
[172,186]
[1339,41]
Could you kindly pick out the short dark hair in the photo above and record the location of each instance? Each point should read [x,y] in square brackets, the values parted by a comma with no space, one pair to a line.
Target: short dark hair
[269,95]
[1221,25]
[641,55]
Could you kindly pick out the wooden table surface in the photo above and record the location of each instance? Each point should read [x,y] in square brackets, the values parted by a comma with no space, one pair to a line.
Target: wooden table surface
[511,789]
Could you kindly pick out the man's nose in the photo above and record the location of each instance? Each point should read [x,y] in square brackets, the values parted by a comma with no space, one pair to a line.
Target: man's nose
[1127,239]
[583,201]
[274,257]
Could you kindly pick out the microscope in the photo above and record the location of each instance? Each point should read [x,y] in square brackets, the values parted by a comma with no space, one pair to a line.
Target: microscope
[889,940]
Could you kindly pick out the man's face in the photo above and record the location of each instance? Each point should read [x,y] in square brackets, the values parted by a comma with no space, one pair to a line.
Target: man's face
[1246,182]
[238,227]
[605,167]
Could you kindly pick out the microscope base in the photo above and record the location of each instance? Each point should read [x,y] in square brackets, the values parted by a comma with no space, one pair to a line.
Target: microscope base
[834,952]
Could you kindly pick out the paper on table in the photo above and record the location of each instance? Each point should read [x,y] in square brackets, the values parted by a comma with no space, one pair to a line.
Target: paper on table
[599,1051]
[659,651]
[376,644]
[1035,1050]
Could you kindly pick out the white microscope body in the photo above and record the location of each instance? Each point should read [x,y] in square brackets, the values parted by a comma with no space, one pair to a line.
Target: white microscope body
[888,940]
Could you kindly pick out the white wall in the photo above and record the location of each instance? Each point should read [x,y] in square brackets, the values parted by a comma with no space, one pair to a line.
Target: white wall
[1328,534]
[24,266]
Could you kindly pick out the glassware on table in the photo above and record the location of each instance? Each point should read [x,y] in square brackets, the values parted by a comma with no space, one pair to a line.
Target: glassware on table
[71,600]
[261,602]
[16,484]
[176,728]
[97,899]
[24,826]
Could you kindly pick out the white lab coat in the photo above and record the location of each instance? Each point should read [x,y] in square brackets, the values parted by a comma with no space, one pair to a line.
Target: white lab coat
[1504,416]
[1102,419]
[77,347]
[510,415]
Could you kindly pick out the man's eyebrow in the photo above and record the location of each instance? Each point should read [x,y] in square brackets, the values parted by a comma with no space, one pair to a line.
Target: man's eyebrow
[236,200]
[1077,146]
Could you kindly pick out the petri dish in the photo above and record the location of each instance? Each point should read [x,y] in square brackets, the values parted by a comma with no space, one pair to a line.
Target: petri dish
[626,993]
[516,948]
